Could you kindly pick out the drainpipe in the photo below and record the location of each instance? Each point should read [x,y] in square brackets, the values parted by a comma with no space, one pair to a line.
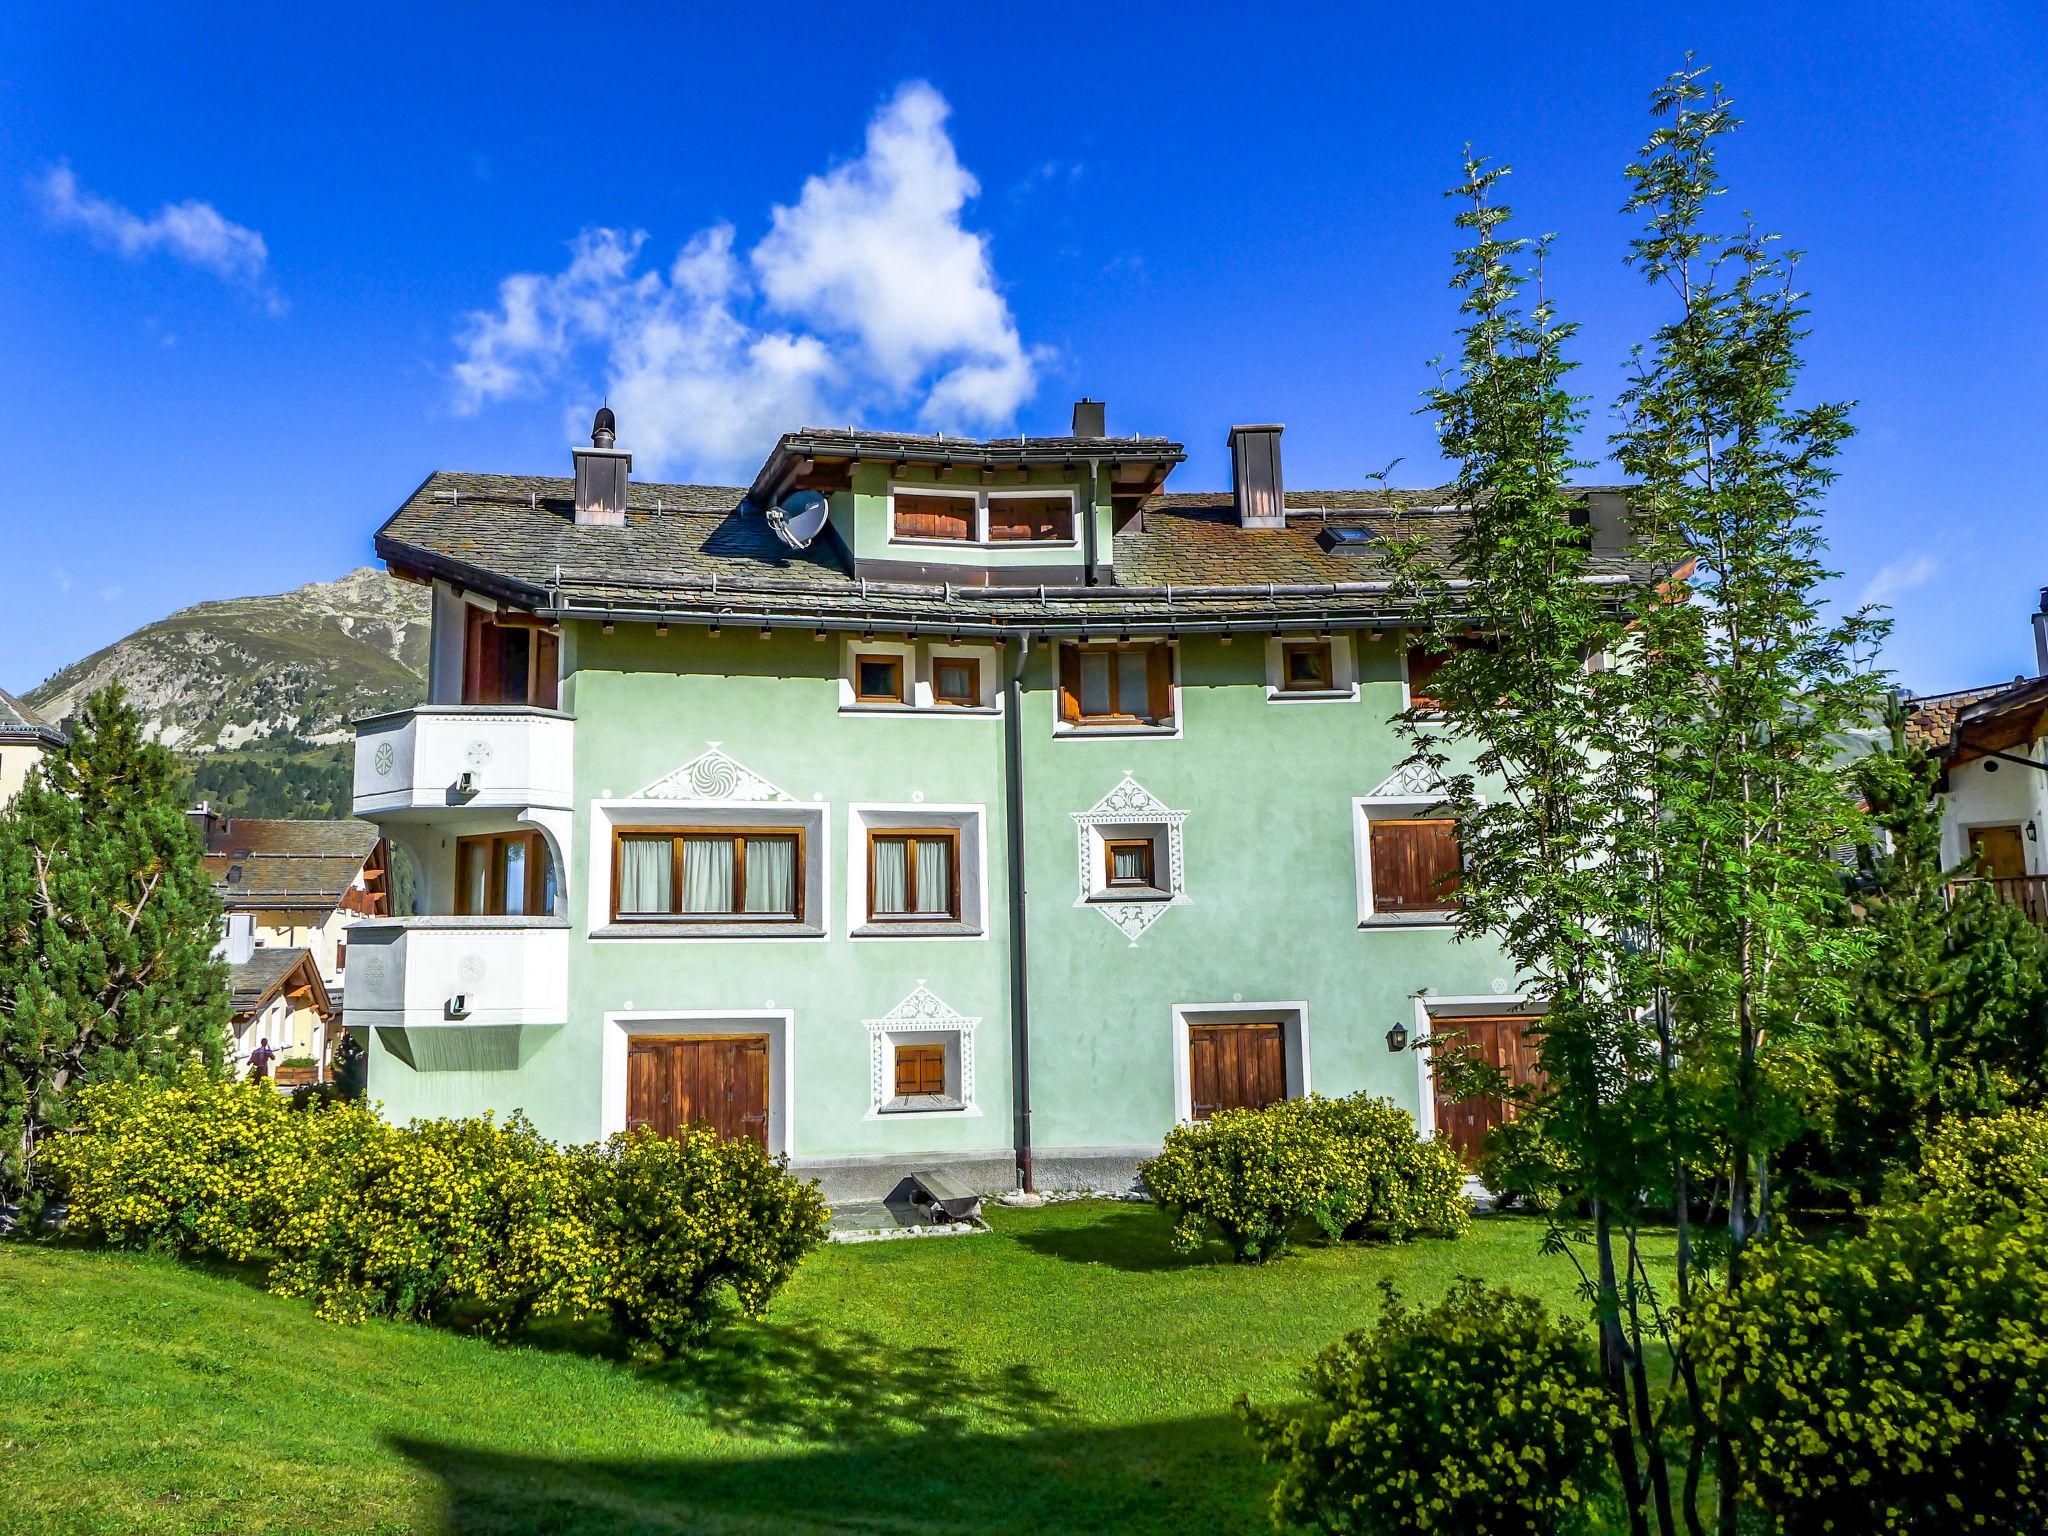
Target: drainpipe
[1088,530]
[1020,982]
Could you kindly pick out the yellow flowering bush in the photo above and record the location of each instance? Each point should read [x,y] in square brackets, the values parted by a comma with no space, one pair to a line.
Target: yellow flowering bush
[369,1219]
[195,1165]
[1896,1380]
[676,1222]
[1479,1416]
[1355,1166]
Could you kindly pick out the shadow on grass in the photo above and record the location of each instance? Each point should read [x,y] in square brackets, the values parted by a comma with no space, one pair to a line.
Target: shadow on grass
[1134,1238]
[1173,1476]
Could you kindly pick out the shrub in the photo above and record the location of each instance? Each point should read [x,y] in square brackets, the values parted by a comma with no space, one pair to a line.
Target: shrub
[1895,1380]
[409,1222]
[1521,1166]
[197,1165]
[1385,1181]
[1355,1166]
[1479,1415]
[370,1219]
[676,1222]
[1978,1167]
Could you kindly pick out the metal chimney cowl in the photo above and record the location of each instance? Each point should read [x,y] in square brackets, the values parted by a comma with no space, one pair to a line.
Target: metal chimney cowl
[1255,481]
[2041,636]
[1090,418]
[602,474]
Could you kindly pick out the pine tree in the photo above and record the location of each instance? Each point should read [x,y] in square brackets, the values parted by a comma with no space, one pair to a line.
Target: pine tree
[108,925]
[1948,1013]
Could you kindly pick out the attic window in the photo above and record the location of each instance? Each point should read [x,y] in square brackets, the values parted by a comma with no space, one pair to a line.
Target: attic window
[1348,538]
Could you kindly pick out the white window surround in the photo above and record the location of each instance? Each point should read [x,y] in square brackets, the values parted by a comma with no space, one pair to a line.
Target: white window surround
[919,696]
[1405,794]
[921,1019]
[1343,671]
[971,821]
[777,1024]
[1131,810]
[979,495]
[1293,1017]
[713,789]
[1429,1007]
[1170,731]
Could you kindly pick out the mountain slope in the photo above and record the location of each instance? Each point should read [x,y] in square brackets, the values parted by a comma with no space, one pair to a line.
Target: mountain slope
[294,667]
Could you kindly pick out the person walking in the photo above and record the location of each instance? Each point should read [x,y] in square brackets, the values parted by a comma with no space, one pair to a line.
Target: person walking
[260,1060]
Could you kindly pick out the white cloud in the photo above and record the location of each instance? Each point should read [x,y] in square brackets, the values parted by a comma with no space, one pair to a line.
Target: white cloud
[192,232]
[1898,578]
[867,293]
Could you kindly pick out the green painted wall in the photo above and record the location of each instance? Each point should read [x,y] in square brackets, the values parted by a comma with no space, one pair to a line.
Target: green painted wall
[1270,873]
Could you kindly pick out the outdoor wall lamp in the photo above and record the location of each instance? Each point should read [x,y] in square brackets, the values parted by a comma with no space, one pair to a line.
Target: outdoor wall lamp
[2033,833]
[1397,1038]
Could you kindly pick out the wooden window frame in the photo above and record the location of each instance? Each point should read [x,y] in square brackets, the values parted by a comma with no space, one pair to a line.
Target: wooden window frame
[1437,903]
[980,533]
[738,835]
[973,666]
[1325,649]
[491,845]
[912,835]
[1160,700]
[922,1051]
[1110,845]
[880,658]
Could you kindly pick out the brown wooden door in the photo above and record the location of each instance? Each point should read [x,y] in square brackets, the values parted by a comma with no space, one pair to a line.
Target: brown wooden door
[1998,852]
[674,1081]
[1235,1066]
[1497,1042]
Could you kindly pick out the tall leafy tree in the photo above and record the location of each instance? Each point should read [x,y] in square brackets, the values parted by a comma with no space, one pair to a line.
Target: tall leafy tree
[1540,747]
[108,925]
[1731,469]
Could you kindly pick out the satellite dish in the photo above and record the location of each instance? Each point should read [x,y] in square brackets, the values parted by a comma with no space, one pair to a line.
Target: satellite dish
[800,518]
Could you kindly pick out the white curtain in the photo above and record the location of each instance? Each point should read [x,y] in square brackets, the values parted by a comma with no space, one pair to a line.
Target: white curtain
[515,879]
[477,877]
[707,874]
[1130,682]
[771,874]
[1127,864]
[644,875]
[1095,683]
[934,875]
[892,877]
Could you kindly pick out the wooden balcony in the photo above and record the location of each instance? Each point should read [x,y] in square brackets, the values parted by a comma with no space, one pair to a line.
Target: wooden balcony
[2027,892]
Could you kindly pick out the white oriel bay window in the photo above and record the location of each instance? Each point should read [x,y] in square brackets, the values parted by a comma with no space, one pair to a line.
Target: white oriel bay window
[958,515]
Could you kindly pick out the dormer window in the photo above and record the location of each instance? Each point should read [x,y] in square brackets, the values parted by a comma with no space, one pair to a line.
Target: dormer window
[944,515]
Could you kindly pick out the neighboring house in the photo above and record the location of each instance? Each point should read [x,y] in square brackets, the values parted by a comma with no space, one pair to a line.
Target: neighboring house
[276,995]
[989,809]
[293,888]
[25,737]
[1993,743]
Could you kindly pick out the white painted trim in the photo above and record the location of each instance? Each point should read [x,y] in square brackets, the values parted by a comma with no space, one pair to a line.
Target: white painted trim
[1365,809]
[778,1024]
[1294,1032]
[922,1014]
[1129,806]
[1343,671]
[1428,1005]
[980,495]
[972,821]
[607,814]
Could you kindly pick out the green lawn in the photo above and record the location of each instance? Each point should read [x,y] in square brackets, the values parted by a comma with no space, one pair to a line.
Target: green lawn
[1065,1373]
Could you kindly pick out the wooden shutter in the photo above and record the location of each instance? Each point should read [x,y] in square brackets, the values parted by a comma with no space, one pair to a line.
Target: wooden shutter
[1159,683]
[547,669]
[1415,865]
[1422,666]
[920,1069]
[1070,682]
[479,681]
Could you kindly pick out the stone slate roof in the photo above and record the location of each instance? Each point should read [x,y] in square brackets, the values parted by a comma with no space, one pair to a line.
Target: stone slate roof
[696,550]
[1932,722]
[257,864]
[266,973]
[20,723]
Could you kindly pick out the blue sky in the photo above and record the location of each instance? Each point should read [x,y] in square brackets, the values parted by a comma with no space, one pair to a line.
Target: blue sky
[254,281]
